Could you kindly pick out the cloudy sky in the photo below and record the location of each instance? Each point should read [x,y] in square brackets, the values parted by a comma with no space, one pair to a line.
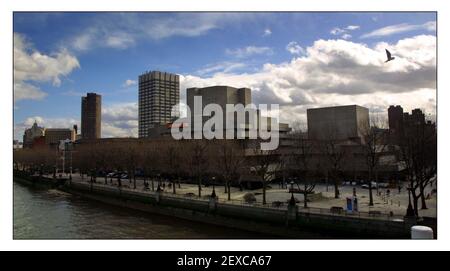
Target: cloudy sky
[297,60]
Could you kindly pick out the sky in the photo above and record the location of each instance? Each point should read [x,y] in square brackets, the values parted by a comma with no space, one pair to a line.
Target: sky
[296,60]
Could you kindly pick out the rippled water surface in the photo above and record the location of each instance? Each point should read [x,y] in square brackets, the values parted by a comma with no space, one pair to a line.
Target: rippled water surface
[52,214]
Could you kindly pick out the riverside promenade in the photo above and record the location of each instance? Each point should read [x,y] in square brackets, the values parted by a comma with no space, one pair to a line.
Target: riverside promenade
[283,218]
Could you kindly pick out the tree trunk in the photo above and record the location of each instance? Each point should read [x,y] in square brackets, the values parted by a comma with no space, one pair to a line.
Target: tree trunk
[305,197]
[422,197]
[173,187]
[264,193]
[370,189]
[229,190]
[134,181]
[415,205]
[199,186]
[336,189]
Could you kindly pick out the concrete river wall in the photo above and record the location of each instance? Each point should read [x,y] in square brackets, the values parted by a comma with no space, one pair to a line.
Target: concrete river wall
[286,222]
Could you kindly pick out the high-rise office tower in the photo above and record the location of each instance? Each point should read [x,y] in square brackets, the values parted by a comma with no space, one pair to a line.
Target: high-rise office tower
[158,93]
[91,116]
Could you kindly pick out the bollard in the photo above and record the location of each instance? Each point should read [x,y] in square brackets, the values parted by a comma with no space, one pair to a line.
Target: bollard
[421,232]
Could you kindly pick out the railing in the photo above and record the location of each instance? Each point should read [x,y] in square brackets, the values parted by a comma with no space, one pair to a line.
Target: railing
[280,206]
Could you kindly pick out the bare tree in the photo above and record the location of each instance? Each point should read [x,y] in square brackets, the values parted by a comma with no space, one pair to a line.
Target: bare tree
[374,143]
[130,155]
[419,153]
[198,161]
[229,160]
[302,156]
[334,154]
[151,159]
[173,157]
[265,164]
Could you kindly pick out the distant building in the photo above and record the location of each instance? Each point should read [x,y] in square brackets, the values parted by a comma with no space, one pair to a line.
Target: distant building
[223,95]
[158,93]
[31,133]
[338,123]
[54,135]
[91,116]
[401,123]
[39,142]
[417,117]
[17,144]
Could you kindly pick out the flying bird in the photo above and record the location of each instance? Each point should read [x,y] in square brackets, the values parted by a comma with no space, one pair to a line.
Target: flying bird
[389,56]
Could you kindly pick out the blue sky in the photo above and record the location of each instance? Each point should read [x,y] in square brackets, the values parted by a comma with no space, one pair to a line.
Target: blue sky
[61,56]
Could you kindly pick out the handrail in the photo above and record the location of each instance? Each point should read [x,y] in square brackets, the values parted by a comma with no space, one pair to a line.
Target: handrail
[235,202]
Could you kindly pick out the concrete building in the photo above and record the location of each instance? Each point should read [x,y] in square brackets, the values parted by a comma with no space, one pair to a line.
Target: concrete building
[54,135]
[31,133]
[158,93]
[223,95]
[91,116]
[338,122]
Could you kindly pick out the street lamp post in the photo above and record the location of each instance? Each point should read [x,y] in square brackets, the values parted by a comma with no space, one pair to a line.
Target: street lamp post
[410,210]
[213,194]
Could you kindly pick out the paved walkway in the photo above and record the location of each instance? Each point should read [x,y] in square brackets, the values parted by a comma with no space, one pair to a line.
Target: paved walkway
[395,202]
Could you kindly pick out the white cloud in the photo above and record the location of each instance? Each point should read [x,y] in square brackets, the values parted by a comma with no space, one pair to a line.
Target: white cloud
[120,40]
[129,83]
[400,28]
[352,27]
[267,32]
[294,48]
[344,32]
[249,51]
[120,120]
[123,30]
[224,67]
[31,65]
[337,72]
[346,36]
[337,31]
[24,91]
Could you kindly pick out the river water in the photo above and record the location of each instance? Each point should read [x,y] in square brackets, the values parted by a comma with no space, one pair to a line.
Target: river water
[52,214]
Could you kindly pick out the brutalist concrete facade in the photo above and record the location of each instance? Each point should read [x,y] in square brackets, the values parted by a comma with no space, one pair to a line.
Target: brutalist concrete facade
[337,123]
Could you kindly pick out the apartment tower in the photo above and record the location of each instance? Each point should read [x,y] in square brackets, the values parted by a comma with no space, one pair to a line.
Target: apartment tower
[91,116]
[158,93]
